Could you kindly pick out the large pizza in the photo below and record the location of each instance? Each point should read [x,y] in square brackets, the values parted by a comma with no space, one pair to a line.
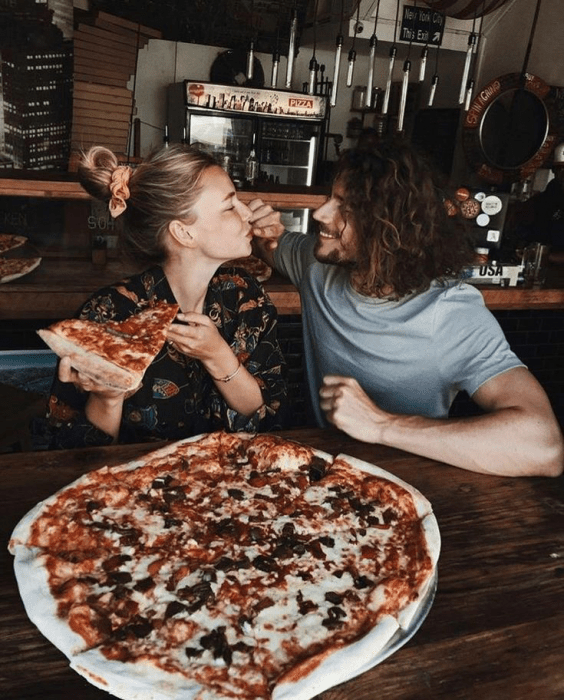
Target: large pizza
[228,566]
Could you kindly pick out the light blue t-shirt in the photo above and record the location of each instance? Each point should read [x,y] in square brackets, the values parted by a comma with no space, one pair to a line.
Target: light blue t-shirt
[410,356]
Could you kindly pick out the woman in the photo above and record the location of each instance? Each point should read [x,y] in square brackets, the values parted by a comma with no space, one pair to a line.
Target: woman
[221,366]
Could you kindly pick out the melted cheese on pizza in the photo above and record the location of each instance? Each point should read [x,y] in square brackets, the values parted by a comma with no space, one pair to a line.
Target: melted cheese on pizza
[131,343]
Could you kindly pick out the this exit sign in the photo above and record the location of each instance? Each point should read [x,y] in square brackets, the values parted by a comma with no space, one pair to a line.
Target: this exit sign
[421,25]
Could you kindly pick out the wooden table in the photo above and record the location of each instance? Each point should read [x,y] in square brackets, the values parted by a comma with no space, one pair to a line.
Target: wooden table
[494,632]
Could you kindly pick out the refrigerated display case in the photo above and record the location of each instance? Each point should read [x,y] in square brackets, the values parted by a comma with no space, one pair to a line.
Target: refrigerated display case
[284,129]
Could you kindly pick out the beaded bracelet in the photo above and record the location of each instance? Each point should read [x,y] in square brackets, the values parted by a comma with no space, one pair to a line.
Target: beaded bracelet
[229,377]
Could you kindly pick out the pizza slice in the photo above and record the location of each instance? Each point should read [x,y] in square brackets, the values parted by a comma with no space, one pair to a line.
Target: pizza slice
[115,354]
[254,266]
[9,241]
[12,268]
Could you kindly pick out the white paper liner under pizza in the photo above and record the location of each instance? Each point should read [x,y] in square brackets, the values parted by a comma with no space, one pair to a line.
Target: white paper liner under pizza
[228,566]
[16,265]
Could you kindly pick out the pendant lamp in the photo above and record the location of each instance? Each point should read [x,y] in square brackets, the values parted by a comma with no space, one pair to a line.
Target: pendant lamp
[352,52]
[434,80]
[313,64]
[291,49]
[276,54]
[371,58]
[393,54]
[251,51]
[337,64]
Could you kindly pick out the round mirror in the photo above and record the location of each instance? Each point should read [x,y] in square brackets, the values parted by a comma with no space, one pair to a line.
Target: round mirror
[513,128]
[508,130]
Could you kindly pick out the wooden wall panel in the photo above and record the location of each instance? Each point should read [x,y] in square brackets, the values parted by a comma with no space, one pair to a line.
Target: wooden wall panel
[105,60]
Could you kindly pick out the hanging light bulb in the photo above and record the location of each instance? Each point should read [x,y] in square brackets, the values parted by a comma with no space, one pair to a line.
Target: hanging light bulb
[250,60]
[313,64]
[313,67]
[403,97]
[393,54]
[251,51]
[350,72]
[352,52]
[468,96]
[433,90]
[423,64]
[275,66]
[435,79]
[469,52]
[337,65]
[386,101]
[291,49]
[336,70]
[371,57]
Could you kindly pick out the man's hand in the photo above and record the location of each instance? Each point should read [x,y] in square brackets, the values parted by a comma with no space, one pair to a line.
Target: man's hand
[265,222]
[348,407]
[267,229]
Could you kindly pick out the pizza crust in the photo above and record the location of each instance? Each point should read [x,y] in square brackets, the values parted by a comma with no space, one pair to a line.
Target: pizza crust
[39,604]
[130,682]
[94,366]
[10,241]
[24,267]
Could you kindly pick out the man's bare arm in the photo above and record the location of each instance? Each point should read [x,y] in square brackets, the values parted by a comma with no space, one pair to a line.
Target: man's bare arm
[517,436]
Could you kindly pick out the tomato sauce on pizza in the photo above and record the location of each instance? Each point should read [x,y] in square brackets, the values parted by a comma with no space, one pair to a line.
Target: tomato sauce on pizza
[226,566]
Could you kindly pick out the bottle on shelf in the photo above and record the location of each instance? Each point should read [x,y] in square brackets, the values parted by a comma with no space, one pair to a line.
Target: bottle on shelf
[251,167]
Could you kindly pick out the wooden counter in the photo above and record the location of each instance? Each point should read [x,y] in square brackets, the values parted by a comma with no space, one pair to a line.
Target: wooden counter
[59,287]
[494,630]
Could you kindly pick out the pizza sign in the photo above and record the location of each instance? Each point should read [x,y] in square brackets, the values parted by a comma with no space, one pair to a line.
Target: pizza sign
[303,102]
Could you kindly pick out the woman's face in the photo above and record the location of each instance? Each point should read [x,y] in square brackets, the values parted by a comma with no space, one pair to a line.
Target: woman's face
[222,227]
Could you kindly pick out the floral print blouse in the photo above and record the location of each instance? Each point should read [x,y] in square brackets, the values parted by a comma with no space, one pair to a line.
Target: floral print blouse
[178,398]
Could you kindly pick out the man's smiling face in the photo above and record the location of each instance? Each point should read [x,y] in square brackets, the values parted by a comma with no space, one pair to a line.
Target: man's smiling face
[336,238]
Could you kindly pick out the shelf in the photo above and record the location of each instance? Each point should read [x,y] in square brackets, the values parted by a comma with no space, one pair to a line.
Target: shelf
[281,165]
[49,189]
[284,196]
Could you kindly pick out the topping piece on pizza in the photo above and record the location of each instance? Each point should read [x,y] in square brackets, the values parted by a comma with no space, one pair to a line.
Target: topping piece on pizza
[115,354]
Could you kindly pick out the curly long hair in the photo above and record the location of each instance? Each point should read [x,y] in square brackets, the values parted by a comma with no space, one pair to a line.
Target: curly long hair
[405,238]
[164,187]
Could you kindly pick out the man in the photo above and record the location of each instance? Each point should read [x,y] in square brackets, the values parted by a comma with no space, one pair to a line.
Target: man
[390,337]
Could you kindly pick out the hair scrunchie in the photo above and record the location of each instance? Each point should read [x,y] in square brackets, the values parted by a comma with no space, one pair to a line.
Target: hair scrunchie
[119,190]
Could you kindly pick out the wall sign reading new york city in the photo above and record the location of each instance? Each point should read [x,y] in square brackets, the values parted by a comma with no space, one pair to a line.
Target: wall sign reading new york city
[421,25]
